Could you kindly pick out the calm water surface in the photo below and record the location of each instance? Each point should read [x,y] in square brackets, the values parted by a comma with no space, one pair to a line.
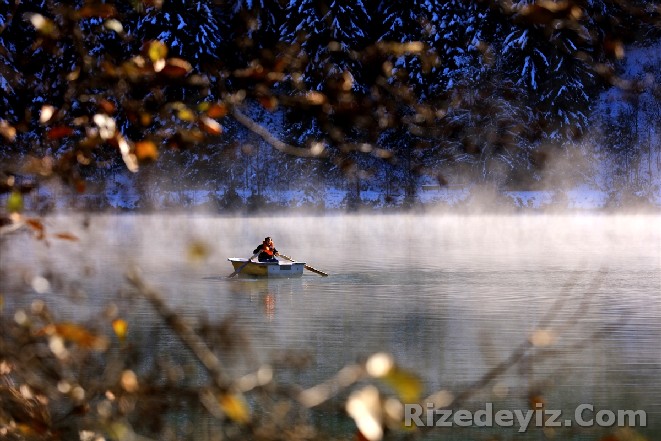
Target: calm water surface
[449,296]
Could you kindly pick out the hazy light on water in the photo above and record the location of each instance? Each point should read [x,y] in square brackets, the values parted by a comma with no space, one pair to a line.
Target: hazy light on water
[446,297]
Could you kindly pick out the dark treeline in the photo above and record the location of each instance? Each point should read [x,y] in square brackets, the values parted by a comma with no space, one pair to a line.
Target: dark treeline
[241,94]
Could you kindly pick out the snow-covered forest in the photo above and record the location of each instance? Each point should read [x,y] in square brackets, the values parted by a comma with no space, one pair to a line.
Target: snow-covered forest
[330,104]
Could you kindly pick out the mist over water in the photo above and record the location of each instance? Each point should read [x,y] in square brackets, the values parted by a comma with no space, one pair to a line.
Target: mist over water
[449,296]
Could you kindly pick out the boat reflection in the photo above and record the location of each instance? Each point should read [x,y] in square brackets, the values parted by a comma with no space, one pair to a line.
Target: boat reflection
[267,293]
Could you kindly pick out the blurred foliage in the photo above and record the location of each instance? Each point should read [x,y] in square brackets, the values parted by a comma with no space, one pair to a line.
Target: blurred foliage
[84,90]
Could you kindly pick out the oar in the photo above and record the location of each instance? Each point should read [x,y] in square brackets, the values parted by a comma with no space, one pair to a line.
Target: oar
[307,267]
[238,270]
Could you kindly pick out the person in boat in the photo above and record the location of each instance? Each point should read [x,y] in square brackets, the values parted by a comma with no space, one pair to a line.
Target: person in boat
[267,251]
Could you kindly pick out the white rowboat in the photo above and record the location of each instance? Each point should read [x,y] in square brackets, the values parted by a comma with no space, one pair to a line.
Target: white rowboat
[267,269]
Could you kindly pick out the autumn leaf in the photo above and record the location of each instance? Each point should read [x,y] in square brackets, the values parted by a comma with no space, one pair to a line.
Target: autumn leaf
[79,185]
[129,381]
[76,334]
[120,327]
[37,226]
[176,68]
[67,236]
[156,50]
[146,150]
[59,132]
[268,102]
[46,113]
[15,202]
[212,127]
[7,131]
[107,106]
[315,98]
[145,118]
[235,407]
[97,10]
[43,25]
[216,110]
[198,251]
[406,384]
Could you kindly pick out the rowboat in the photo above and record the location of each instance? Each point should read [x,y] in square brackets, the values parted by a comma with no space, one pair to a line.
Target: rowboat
[267,269]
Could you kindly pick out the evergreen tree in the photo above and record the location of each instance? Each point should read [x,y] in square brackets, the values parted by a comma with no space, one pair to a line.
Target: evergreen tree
[190,29]
[328,33]
[406,22]
[11,79]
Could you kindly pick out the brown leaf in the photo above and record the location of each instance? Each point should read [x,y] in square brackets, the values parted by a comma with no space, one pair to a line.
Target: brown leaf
[97,10]
[107,106]
[76,334]
[8,132]
[37,226]
[59,132]
[217,111]
[176,68]
[268,102]
[66,236]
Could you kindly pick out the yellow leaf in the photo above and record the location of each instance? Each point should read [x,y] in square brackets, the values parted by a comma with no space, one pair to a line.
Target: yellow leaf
[15,202]
[185,114]
[121,328]
[235,407]
[198,251]
[407,385]
[156,51]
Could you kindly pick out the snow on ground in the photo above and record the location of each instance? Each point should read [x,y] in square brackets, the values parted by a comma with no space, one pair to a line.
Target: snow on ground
[122,195]
[531,199]
[585,198]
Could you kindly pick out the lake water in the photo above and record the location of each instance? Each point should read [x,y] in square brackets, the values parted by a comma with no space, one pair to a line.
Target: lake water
[451,297]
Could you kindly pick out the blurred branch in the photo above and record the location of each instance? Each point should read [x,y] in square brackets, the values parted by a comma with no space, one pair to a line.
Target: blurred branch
[272,140]
[541,337]
[184,331]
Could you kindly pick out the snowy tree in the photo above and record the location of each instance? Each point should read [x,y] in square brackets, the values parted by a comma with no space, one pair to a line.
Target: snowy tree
[455,31]
[11,79]
[259,21]
[328,34]
[190,30]
[405,22]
